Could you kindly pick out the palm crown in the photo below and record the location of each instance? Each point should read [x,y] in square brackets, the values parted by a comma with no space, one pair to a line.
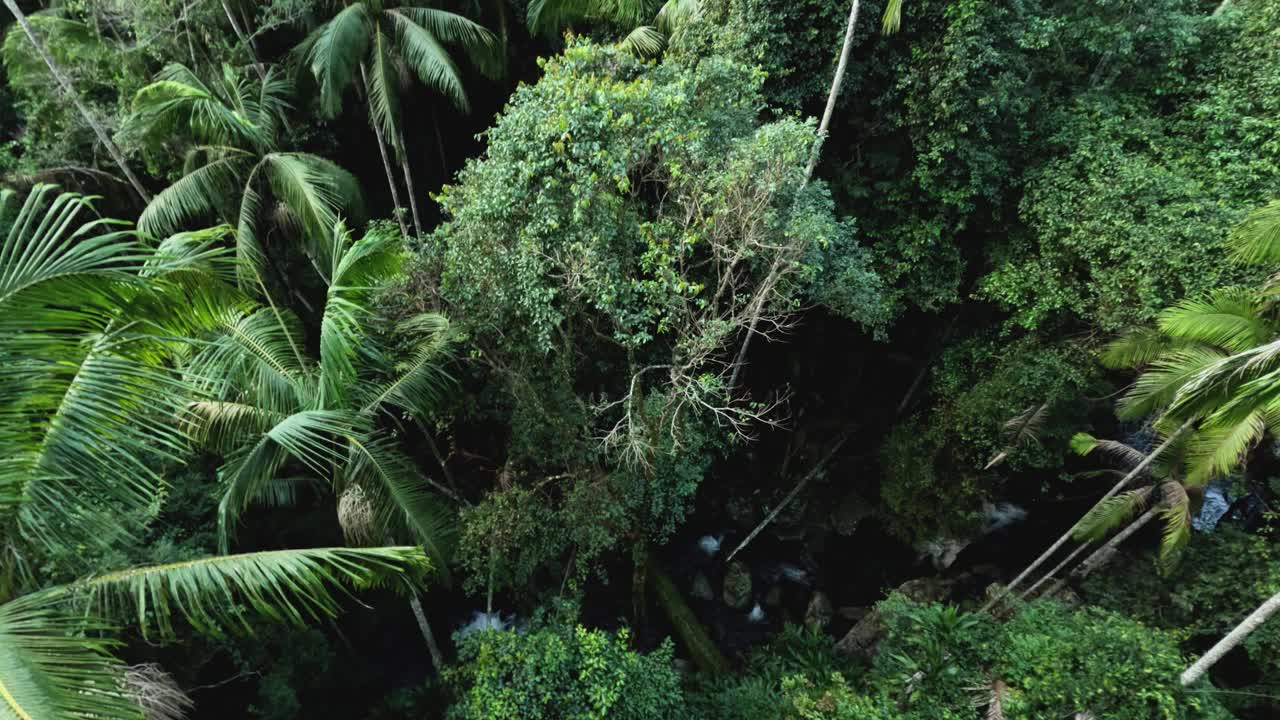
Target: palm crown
[233,170]
[274,410]
[91,324]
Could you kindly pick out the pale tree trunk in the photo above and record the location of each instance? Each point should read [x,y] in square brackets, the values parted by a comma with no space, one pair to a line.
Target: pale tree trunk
[65,84]
[775,272]
[1066,536]
[386,158]
[1233,638]
[1103,555]
[437,658]
[836,82]
[408,182]
[244,39]
[1056,569]
[1221,8]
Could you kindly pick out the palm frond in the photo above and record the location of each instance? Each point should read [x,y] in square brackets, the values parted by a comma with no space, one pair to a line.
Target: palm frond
[892,20]
[1158,386]
[420,381]
[480,45]
[1111,513]
[335,54]
[55,665]
[1229,318]
[404,505]
[1256,240]
[197,197]
[1021,429]
[290,586]
[316,190]
[1216,448]
[383,91]
[1176,515]
[676,15]
[644,42]
[429,60]
[1126,456]
[1136,348]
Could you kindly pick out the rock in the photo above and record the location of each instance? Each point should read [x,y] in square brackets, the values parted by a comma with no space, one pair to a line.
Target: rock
[818,615]
[865,636]
[853,613]
[773,597]
[737,585]
[702,588]
[943,551]
[756,615]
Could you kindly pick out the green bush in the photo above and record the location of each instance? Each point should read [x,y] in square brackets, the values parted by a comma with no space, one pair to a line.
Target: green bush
[564,673]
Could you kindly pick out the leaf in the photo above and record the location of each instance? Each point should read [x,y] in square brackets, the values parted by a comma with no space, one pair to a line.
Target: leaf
[1217,448]
[428,59]
[1111,513]
[336,52]
[1228,318]
[290,586]
[892,19]
[644,42]
[1256,240]
[55,665]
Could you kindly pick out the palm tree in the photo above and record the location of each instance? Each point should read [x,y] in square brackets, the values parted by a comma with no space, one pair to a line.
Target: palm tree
[233,169]
[274,411]
[384,43]
[69,90]
[90,317]
[650,34]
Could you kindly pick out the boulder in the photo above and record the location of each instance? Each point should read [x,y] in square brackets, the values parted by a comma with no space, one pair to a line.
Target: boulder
[702,588]
[862,640]
[737,585]
[818,615]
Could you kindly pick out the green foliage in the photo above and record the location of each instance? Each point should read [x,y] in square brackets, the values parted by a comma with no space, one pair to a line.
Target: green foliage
[565,673]
[1222,578]
[978,386]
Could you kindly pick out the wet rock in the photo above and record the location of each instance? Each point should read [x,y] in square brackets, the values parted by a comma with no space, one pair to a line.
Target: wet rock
[710,544]
[702,588]
[756,615]
[1216,504]
[942,551]
[818,615]
[737,585]
[787,572]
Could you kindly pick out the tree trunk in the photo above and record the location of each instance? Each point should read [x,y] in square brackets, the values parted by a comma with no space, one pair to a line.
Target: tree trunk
[437,658]
[1233,638]
[386,158]
[1029,592]
[836,82]
[244,40]
[1066,536]
[65,84]
[1103,555]
[706,656]
[408,183]
[444,161]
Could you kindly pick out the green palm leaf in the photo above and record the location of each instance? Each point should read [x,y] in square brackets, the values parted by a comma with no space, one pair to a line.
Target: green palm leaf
[1177,524]
[428,59]
[1165,379]
[1219,446]
[383,91]
[1111,513]
[54,665]
[892,20]
[1229,319]
[199,196]
[1137,348]
[335,52]
[404,505]
[1256,240]
[291,586]
[644,42]
[420,382]
[480,45]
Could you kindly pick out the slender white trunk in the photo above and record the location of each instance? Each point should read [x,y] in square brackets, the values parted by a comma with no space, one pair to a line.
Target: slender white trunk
[386,158]
[67,89]
[836,82]
[437,657]
[1066,536]
[1103,555]
[408,183]
[1026,594]
[1233,638]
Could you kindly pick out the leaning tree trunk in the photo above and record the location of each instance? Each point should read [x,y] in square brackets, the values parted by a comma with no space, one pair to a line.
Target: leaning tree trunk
[65,84]
[775,271]
[1102,555]
[1233,638]
[386,158]
[836,82]
[1135,472]
[408,182]
[436,656]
